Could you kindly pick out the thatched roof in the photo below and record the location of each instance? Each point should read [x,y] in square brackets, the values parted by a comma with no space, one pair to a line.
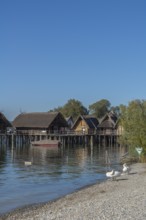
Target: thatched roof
[107,124]
[108,121]
[39,120]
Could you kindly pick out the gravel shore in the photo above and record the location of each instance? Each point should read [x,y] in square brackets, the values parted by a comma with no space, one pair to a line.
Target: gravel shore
[123,199]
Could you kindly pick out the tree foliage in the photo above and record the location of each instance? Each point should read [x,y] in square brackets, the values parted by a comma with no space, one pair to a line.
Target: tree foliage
[72,108]
[133,121]
[100,108]
[75,108]
[116,109]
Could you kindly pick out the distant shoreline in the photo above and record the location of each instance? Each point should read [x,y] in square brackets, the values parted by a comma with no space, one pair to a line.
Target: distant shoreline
[121,199]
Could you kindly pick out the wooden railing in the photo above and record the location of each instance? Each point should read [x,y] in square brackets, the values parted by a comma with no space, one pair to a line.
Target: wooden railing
[113,132]
[67,132]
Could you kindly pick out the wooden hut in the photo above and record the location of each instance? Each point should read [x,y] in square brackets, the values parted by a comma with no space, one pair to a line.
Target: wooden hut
[4,123]
[86,124]
[107,125]
[40,123]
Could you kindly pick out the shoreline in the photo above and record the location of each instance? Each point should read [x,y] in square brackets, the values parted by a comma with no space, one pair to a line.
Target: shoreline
[41,204]
[121,199]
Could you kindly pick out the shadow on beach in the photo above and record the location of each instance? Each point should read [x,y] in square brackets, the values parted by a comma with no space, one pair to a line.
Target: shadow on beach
[133,173]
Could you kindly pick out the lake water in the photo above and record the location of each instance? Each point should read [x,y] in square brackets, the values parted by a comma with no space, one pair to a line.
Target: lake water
[53,173]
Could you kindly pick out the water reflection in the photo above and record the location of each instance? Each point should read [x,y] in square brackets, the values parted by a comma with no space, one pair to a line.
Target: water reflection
[54,172]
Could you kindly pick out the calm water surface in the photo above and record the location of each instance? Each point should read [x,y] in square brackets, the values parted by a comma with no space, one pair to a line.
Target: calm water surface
[53,173]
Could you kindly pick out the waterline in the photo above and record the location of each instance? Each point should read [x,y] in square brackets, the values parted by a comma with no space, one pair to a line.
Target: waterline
[53,173]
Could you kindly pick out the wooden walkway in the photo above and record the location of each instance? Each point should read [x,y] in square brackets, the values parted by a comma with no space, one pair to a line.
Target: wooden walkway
[66,138]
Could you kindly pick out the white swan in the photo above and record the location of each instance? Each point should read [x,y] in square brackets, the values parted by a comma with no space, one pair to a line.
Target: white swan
[113,174]
[126,169]
[110,174]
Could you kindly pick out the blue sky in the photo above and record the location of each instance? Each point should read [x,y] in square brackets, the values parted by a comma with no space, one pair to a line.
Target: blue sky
[55,50]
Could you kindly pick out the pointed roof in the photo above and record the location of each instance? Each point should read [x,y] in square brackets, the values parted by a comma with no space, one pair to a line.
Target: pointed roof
[91,121]
[108,121]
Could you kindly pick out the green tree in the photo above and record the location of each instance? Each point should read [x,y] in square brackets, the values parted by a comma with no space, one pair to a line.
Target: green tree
[100,108]
[72,108]
[116,109]
[133,121]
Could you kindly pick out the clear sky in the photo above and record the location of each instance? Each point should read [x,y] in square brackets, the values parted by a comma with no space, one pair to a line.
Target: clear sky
[55,50]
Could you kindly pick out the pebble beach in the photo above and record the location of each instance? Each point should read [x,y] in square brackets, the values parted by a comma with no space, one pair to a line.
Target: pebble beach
[122,199]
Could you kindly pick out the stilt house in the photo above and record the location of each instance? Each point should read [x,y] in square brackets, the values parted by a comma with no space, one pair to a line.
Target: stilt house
[39,123]
[107,125]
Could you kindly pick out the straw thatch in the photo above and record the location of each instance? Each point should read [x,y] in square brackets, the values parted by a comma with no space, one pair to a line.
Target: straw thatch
[108,121]
[39,120]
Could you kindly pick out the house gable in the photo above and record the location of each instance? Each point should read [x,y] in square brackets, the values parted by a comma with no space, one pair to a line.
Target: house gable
[108,121]
[85,123]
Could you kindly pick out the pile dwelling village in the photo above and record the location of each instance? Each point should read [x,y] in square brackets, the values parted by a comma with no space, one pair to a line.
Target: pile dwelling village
[35,126]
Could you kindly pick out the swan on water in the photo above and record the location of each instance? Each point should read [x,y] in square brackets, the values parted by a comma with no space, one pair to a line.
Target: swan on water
[113,174]
[126,169]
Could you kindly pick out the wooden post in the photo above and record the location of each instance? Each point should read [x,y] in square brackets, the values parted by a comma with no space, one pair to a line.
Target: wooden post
[12,140]
[91,141]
